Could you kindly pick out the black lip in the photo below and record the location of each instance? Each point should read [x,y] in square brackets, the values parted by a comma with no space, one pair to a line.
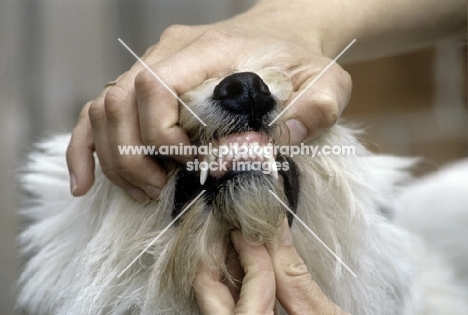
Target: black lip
[188,186]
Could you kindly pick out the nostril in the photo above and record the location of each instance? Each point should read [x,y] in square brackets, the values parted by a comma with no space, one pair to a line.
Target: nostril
[244,93]
[263,88]
[229,89]
[239,83]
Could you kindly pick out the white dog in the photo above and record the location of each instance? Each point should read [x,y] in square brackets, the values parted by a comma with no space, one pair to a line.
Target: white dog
[79,246]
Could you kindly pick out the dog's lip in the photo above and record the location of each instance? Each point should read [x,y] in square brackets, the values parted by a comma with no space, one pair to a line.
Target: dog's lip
[247,139]
[188,184]
[231,174]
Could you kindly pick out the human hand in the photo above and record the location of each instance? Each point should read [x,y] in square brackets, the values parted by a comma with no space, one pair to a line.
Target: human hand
[138,110]
[274,271]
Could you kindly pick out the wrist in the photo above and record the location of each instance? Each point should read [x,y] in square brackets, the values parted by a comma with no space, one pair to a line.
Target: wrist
[289,20]
[380,27]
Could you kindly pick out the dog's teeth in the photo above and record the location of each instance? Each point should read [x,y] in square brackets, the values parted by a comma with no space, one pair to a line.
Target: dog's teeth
[245,151]
[274,169]
[204,173]
[253,155]
[234,152]
[203,176]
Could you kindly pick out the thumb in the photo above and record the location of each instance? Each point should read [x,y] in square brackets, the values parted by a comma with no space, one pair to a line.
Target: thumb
[295,289]
[317,105]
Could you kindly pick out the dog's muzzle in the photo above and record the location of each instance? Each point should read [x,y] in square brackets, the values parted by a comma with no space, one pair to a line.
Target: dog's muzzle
[246,104]
[246,95]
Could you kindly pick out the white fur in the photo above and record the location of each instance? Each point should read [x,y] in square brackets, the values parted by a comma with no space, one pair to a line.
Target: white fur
[435,208]
[78,246]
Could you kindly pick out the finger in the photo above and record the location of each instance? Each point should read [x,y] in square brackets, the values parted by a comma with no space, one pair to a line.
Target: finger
[103,148]
[295,288]
[80,159]
[122,126]
[158,107]
[173,39]
[213,297]
[236,273]
[257,294]
[320,106]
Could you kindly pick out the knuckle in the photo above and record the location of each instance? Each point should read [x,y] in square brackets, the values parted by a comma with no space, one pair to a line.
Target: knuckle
[297,275]
[114,100]
[175,31]
[294,276]
[144,82]
[346,80]
[96,111]
[296,270]
[328,109]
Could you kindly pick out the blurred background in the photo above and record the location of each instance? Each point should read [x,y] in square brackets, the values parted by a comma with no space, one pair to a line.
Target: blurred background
[55,55]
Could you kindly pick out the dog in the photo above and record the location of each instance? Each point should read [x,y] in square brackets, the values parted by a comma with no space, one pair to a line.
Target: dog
[78,249]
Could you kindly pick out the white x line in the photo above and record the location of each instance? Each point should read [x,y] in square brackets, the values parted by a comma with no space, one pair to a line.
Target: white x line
[312,232]
[162,232]
[312,82]
[161,81]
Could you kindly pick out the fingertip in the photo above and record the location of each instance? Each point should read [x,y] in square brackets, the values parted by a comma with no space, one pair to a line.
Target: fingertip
[237,239]
[81,170]
[153,191]
[138,194]
[316,113]
[213,297]
[82,180]
[297,131]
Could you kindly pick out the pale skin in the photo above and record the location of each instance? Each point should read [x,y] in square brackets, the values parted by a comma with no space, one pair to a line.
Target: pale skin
[138,110]
[272,272]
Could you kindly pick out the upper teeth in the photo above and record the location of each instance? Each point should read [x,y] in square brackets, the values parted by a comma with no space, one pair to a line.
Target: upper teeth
[244,152]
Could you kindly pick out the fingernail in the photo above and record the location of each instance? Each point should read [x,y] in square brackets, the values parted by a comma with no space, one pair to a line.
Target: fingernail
[297,131]
[153,192]
[286,238]
[73,185]
[138,194]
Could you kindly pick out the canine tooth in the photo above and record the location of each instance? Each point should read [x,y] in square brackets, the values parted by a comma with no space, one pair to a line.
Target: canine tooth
[274,169]
[203,176]
[204,173]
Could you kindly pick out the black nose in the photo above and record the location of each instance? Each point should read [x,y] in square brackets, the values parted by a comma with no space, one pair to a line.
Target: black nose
[244,93]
